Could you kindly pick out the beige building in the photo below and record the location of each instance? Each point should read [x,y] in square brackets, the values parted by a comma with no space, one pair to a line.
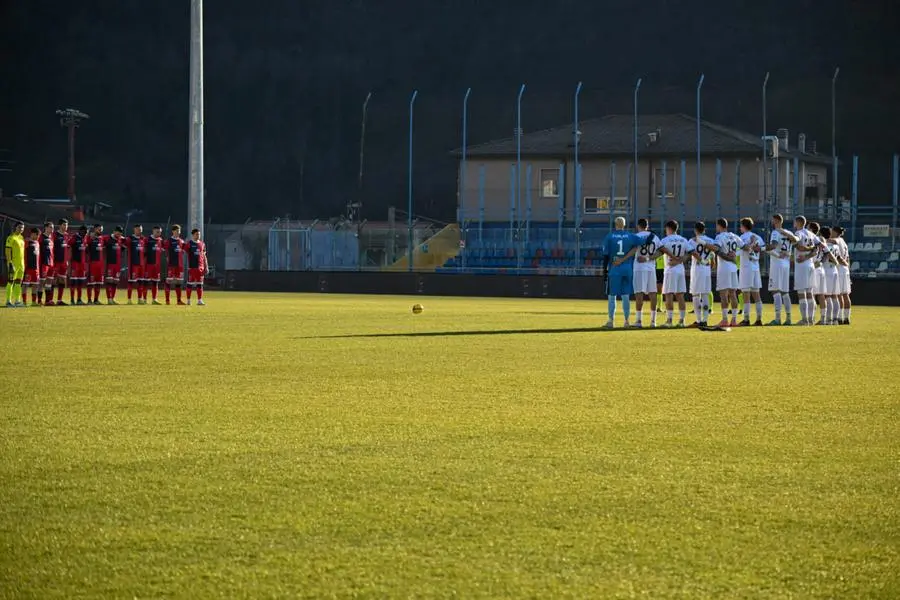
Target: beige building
[734,179]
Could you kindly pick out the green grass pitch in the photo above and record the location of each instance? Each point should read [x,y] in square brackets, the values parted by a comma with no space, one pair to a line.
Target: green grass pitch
[327,446]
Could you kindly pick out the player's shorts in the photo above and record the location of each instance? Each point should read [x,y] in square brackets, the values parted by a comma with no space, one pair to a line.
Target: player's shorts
[79,272]
[195,277]
[644,282]
[843,280]
[818,286]
[95,273]
[660,275]
[47,271]
[15,273]
[673,282]
[113,272]
[174,274]
[31,277]
[779,278]
[831,282]
[135,273]
[61,270]
[701,281]
[151,273]
[750,280]
[726,279]
[804,276]
[620,280]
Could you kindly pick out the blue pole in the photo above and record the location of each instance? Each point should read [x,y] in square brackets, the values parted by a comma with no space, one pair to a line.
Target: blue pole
[576,133]
[562,203]
[834,161]
[628,178]
[665,171]
[519,152]
[854,196]
[513,175]
[528,203]
[462,171]
[612,190]
[409,197]
[699,86]
[481,177]
[895,198]
[634,173]
[719,187]
[765,152]
[797,187]
[683,193]
[737,189]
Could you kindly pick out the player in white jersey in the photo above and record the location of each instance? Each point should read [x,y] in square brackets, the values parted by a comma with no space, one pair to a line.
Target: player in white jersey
[645,273]
[675,248]
[804,270]
[843,269]
[779,247]
[726,246]
[830,262]
[702,259]
[819,276]
[749,278]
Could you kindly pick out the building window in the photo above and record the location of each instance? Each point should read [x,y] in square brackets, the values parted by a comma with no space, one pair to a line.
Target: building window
[594,205]
[671,184]
[812,179]
[549,183]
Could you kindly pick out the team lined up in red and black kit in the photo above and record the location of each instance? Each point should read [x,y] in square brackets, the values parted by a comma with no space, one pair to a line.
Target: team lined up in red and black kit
[86,261]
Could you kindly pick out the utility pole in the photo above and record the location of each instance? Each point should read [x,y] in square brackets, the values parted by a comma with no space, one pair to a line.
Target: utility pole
[71,119]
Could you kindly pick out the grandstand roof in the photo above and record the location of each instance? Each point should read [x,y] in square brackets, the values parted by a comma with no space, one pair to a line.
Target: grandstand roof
[613,135]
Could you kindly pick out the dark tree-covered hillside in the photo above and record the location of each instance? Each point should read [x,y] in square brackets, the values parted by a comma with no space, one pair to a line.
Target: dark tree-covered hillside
[285,83]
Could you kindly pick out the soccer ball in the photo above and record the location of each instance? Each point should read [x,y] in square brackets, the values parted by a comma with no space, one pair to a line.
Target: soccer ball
[417,308]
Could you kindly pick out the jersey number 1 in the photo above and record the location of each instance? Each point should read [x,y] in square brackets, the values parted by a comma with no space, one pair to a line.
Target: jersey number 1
[621,252]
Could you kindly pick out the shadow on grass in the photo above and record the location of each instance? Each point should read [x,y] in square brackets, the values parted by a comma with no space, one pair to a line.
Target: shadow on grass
[470,333]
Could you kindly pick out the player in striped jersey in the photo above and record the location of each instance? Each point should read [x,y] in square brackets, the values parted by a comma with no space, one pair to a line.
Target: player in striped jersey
[749,277]
[702,259]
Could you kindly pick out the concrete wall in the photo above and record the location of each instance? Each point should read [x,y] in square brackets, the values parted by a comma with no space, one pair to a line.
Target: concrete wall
[492,181]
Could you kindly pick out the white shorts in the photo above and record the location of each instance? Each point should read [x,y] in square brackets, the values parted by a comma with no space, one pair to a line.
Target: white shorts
[804,276]
[818,286]
[673,282]
[726,279]
[701,280]
[831,282]
[779,277]
[843,280]
[644,282]
[750,280]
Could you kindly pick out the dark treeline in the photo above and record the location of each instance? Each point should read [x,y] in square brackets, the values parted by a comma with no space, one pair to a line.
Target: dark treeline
[285,83]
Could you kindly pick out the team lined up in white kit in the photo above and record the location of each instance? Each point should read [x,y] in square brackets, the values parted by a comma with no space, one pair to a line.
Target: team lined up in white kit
[820,256]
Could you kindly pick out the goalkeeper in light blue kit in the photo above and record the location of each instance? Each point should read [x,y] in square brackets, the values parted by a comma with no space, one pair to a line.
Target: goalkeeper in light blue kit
[618,249]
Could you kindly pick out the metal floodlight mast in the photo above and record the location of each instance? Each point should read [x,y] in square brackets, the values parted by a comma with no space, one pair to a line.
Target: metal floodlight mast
[71,119]
[195,141]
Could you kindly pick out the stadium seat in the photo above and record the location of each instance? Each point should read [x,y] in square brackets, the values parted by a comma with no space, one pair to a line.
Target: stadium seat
[854,267]
[893,257]
[876,247]
[882,266]
[868,247]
